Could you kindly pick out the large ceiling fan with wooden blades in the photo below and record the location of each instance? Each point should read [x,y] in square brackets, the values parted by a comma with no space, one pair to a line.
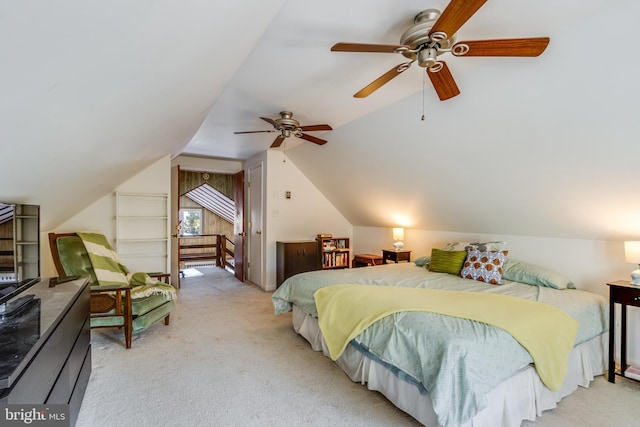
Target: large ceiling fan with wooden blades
[288,126]
[433,34]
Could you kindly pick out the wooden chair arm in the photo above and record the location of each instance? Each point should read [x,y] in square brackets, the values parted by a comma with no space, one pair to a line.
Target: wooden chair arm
[164,277]
[111,297]
[96,289]
[110,301]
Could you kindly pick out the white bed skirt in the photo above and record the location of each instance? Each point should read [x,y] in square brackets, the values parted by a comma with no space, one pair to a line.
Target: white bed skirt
[521,397]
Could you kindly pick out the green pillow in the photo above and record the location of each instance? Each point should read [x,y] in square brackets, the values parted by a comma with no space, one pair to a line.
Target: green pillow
[447,261]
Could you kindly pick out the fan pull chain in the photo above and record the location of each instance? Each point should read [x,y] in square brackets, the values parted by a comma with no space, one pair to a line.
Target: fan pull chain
[284,150]
[424,78]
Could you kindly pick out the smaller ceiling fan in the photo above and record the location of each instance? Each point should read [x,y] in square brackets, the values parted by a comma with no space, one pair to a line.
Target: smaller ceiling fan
[288,126]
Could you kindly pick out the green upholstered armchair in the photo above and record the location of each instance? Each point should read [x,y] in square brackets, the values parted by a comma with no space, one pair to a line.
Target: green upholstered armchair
[111,305]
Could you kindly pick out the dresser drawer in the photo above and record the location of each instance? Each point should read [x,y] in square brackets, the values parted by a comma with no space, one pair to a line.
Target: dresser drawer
[61,392]
[627,296]
[388,256]
[395,256]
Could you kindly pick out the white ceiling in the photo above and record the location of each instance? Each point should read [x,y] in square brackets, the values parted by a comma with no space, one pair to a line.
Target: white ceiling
[535,146]
[292,68]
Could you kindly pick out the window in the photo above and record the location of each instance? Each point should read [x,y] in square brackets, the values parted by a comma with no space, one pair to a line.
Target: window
[190,222]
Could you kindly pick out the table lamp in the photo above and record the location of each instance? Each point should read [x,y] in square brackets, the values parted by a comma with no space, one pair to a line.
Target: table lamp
[632,256]
[398,236]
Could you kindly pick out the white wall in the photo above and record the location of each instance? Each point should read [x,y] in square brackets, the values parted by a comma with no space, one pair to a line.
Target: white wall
[100,216]
[302,217]
[589,263]
[205,164]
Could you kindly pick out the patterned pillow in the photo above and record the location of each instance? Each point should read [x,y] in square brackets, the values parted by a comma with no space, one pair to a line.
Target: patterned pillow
[484,266]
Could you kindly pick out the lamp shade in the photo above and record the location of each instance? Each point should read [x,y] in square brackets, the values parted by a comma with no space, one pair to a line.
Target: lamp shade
[398,234]
[632,252]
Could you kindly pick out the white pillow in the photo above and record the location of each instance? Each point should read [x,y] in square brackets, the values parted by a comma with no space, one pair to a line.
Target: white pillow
[523,272]
[479,246]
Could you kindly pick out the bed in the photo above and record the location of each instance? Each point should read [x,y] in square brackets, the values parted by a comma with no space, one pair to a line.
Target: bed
[452,371]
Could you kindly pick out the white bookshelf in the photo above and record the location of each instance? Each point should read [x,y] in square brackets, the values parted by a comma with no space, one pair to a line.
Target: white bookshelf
[142,231]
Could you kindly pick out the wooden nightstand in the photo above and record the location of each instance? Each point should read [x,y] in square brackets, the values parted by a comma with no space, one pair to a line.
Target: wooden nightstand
[395,256]
[623,293]
[365,260]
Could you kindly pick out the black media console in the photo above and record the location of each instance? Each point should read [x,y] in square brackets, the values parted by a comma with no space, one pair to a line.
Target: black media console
[45,356]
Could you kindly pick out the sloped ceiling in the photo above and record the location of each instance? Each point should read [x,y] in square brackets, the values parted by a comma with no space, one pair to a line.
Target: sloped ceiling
[544,146]
[541,146]
[92,92]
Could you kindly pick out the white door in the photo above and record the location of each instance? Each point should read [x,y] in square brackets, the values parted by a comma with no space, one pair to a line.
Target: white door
[256,250]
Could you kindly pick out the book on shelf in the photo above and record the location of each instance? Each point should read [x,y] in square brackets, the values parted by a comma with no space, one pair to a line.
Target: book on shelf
[335,259]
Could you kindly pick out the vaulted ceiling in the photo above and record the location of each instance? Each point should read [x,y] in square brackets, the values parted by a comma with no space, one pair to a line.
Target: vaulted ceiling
[94,91]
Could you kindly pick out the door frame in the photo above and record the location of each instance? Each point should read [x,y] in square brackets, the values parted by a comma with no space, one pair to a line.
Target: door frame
[238,226]
[239,234]
[175,226]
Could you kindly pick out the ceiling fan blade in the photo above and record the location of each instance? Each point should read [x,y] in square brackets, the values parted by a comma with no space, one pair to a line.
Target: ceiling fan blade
[533,46]
[277,142]
[443,82]
[272,122]
[312,128]
[312,139]
[382,80]
[364,47]
[255,131]
[455,15]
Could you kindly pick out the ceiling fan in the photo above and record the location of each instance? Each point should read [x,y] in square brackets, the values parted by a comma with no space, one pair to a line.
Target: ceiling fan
[288,126]
[433,34]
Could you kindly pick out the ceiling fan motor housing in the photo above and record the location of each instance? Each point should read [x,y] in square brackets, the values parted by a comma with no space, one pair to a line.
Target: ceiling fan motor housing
[417,37]
[288,126]
[287,121]
[427,57]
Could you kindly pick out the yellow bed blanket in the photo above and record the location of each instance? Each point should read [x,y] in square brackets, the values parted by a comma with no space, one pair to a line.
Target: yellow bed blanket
[548,333]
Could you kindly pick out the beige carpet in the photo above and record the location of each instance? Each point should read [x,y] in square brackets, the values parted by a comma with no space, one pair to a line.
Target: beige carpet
[226,360]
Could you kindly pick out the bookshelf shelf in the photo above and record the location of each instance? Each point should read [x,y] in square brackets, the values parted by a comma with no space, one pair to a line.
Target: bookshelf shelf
[142,230]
